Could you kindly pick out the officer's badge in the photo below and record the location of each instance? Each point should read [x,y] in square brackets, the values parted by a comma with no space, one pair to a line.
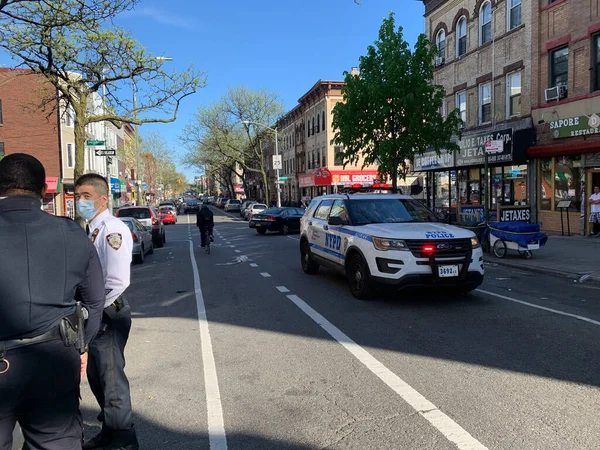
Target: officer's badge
[114,240]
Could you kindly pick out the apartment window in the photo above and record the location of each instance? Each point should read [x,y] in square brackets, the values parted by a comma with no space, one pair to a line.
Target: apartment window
[1,121]
[485,103]
[323,120]
[440,43]
[1,149]
[485,23]
[514,14]
[461,105]
[308,126]
[70,156]
[513,94]
[69,117]
[559,67]
[318,123]
[337,156]
[312,131]
[595,58]
[461,39]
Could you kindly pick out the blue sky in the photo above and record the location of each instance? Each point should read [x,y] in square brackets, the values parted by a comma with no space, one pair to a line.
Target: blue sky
[283,45]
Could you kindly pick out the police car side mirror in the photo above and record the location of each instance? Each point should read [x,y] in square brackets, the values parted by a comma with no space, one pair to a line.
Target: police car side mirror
[335,221]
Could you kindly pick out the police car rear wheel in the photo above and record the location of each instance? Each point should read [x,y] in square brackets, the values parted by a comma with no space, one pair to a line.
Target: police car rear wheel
[359,278]
[309,266]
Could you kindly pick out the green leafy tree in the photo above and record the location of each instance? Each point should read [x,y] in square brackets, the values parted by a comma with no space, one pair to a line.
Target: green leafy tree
[218,138]
[391,109]
[92,57]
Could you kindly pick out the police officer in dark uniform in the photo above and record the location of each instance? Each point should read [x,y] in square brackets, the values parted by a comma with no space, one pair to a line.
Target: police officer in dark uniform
[46,264]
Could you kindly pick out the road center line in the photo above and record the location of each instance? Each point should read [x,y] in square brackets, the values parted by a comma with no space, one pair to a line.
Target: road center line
[266,274]
[544,308]
[216,426]
[444,424]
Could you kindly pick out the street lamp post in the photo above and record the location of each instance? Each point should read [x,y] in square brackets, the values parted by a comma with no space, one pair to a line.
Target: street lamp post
[139,188]
[278,186]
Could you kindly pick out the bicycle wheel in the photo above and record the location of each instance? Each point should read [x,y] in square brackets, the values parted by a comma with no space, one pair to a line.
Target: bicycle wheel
[207,247]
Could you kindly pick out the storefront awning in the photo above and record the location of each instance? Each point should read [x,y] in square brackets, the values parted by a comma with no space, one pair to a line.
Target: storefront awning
[571,148]
[53,185]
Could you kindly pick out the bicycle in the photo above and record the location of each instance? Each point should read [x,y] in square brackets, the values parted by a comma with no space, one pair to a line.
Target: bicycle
[207,241]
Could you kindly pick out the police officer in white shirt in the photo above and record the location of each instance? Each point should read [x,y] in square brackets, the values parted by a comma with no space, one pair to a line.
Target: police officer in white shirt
[595,211]
[106,366]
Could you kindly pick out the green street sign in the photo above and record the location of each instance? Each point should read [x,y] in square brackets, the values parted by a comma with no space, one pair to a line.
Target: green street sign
[283,178]
[94,142]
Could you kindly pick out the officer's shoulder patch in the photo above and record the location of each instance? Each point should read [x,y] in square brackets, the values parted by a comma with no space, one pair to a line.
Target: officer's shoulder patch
[115,240]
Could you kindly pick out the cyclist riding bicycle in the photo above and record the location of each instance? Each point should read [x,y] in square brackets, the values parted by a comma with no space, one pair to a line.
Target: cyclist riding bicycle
[205,222]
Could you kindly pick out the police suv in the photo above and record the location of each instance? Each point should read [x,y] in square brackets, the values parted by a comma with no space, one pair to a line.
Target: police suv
[388,239]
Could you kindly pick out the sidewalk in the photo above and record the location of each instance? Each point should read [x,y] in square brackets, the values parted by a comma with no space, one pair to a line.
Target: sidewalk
[567,256]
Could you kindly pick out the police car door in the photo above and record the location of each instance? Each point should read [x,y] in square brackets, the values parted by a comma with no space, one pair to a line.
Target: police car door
[318,230]
[334,237]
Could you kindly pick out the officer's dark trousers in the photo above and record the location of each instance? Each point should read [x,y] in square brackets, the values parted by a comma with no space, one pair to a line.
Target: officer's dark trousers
[41,392]
[106,371]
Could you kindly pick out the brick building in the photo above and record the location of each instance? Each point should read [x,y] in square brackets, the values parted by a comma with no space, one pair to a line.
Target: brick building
[566,107]
[27,127]
[484,64]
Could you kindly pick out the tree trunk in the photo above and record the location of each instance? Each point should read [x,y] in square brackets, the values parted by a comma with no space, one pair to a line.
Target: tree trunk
[395,179]
[80,138]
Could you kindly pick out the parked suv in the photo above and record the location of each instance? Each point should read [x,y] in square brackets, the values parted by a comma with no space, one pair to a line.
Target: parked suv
[388,239]
[149,217]
[232,205]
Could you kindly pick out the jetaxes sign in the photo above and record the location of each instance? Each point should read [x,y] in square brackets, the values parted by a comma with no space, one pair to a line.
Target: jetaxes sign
[473,148]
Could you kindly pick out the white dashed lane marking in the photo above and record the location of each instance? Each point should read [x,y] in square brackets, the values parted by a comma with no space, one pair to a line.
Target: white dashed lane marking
[265,274]
[253,265]
[282,289]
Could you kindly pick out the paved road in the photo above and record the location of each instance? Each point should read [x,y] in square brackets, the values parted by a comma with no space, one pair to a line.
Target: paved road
[290,361]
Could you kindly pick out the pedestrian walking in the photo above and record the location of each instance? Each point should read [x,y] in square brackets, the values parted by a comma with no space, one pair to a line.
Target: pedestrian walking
[106,368]
[595,211]
[48,270]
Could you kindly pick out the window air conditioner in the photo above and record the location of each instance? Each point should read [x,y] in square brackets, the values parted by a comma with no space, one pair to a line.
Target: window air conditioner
[552,93]
[439,61]
[562,91]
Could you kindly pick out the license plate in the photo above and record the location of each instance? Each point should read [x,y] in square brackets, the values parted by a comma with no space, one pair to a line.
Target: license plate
[448,271]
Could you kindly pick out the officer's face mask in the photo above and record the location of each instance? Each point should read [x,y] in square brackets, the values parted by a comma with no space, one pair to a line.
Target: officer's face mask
[86,209]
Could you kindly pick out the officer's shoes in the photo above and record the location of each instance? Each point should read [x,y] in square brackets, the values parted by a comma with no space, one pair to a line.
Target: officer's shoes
[98,442]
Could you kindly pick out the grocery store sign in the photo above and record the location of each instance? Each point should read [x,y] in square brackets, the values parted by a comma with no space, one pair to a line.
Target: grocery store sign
[575,126]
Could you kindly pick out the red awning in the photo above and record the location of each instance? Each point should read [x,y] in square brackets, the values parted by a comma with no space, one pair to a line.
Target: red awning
[53,185]
[570,148]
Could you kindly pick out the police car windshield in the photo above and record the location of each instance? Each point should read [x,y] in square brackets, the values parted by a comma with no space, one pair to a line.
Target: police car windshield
[390,210]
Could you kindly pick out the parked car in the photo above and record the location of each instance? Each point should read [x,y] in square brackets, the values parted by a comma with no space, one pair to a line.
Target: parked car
[142,239]
[168,214]
[150,218]
[253,209]
[283,220]
[221,202]
[232,205]
[244,206]
[191,206]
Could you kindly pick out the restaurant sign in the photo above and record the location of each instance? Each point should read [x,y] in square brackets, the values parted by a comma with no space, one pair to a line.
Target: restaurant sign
[575,126]
[473,148]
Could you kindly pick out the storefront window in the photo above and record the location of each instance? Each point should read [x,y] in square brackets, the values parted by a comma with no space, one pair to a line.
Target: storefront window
[567,180]
[496,180]
[515,185]
[546,184]
[442,190]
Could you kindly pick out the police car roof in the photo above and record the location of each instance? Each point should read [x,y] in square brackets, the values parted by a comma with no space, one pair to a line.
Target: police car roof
[364,196]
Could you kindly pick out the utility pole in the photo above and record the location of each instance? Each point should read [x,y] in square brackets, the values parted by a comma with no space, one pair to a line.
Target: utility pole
[108,159]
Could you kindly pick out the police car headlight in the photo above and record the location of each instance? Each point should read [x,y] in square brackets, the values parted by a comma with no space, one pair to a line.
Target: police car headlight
[389,244]
[475,242]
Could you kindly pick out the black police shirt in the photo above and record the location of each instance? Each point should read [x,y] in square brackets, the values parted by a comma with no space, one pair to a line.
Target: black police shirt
[46,263]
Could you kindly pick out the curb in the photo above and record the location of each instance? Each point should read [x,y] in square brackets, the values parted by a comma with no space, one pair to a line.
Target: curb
[595,279]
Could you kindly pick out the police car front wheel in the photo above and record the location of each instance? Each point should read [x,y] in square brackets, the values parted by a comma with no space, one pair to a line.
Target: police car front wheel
[359,278]
[309,266]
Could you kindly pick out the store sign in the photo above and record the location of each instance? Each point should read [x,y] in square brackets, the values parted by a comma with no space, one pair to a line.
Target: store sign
[575,126]
[349,178]
[115,185]
[430,160]
[516,214]
[473,148]
[122,186]
[305,180]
